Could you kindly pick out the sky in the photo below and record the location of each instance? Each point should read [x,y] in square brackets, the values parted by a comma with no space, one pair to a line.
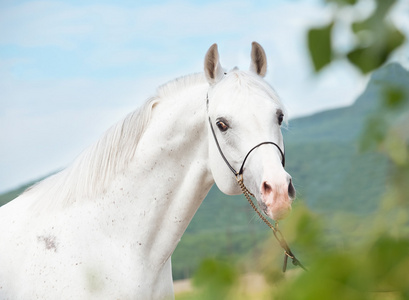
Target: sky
[70,69]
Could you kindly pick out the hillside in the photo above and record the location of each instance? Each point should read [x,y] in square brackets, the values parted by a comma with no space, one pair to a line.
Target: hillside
[329,171]
[324,154]
[6,197]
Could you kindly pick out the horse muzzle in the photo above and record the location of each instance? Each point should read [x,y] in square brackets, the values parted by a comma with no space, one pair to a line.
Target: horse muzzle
[276,198]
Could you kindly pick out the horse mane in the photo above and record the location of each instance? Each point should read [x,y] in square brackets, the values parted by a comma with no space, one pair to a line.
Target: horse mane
[95,168]
[176,85]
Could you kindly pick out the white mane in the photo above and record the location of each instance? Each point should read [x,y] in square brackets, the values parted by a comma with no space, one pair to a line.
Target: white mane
[178,84]
[90,173]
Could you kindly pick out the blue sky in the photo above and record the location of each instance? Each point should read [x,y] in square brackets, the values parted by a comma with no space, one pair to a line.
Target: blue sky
[71,69]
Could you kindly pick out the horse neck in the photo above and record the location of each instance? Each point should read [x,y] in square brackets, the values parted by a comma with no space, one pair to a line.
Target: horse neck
[169,176]
[149,198]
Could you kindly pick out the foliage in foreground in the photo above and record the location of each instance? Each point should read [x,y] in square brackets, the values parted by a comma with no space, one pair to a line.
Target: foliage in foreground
[367,258]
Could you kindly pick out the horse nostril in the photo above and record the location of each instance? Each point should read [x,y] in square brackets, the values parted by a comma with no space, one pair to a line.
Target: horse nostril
[266,188]
[291,190]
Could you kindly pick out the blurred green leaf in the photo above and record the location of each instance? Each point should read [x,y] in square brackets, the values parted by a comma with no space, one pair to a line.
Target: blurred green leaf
[366,59]
[377,39]
[371,57]
[388,259]
[394,97]
[350,2]
[374,133]
[383,7]
[396,149]
[342,2]
[215,279]
[319,45]
[333,275]
[376,20]
[308,231]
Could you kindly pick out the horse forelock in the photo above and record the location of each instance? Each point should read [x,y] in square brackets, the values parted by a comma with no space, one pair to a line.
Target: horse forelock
[238,82]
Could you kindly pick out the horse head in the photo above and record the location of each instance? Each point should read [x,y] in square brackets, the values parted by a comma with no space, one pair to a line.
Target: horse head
[245,117]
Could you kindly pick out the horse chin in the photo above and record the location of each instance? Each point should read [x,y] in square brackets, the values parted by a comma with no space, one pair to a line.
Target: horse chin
[279,215]
[276,210]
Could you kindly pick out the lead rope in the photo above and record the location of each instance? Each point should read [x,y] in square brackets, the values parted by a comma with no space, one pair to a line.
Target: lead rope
[277,233]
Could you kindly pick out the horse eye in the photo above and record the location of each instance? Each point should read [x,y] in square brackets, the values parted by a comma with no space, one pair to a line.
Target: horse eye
[222,126]
[280,119]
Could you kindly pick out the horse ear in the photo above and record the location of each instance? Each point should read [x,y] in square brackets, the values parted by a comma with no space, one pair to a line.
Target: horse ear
[258,59]
[213,69]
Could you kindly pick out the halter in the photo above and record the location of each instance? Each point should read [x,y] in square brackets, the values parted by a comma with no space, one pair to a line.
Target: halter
[239,177]
[239,174]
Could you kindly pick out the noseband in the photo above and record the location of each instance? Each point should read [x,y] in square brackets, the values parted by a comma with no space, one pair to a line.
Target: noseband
[240,172]
[239,177]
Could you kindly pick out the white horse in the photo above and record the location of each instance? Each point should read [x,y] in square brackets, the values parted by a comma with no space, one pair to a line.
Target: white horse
[105,227]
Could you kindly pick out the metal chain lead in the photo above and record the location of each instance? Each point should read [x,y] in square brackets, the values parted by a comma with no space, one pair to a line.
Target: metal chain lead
[247,194]
[277,233]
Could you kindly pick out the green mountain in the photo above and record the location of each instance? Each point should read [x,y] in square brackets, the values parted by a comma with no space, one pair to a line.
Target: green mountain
[330,172]
[8,196]
[324,153]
